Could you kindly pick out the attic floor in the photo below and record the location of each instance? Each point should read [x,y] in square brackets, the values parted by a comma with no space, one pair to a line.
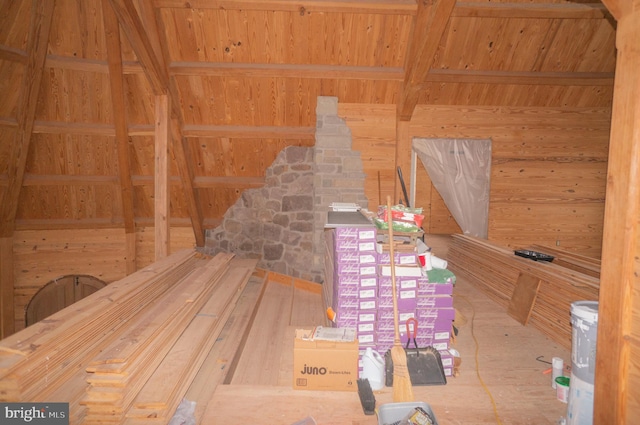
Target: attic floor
[499,365]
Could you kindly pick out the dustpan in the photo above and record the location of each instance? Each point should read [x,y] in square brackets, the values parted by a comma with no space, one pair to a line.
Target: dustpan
[424,364]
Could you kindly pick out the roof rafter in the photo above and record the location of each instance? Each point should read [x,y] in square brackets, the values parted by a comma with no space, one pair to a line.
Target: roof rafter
[37,43]
[116,83]
[433,15]
[133,27]
[151,51]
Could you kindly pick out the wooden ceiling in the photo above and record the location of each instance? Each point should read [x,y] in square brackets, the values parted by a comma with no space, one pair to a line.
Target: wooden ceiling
[80,78]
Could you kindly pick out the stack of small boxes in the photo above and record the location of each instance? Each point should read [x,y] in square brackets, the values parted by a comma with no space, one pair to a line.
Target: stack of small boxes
[362,294]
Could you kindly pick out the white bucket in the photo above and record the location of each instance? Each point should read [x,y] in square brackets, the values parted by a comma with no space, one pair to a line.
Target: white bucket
[373,368]
[580,409]
[584,321]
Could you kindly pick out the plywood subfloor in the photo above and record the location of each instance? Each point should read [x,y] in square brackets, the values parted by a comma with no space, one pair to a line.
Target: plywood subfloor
[500,364]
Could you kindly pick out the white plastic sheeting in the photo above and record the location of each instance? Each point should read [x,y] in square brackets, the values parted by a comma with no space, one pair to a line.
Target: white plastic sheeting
[460,170]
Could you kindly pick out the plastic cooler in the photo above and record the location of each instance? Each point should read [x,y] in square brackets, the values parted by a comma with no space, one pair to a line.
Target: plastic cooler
[390,413]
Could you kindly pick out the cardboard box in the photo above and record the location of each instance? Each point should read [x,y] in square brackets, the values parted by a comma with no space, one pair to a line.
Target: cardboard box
[325,359]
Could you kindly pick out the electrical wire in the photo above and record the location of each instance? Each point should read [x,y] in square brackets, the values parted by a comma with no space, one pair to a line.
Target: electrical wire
[477,350]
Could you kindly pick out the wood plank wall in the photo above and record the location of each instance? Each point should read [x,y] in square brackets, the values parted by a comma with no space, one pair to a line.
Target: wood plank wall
[40,256]
[548,181]
[549,169]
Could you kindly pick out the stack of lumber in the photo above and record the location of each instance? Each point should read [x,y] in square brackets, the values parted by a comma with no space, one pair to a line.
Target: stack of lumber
[497,271]
[131,350]
[571,260]
[37,361]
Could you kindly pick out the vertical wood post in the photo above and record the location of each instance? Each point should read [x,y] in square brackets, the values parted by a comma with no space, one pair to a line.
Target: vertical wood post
[7,321]
[615,396]
[162,136]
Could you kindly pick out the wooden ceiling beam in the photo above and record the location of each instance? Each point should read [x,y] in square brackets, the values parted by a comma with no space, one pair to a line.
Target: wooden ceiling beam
[343,72]
[102,223]
[428,28]
[13,55]
[200,182]
[37,44]
[387,7]
[249,132]
[519,78]
[530,10]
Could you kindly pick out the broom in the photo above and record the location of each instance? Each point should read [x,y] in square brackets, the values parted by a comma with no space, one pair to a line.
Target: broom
[402,389]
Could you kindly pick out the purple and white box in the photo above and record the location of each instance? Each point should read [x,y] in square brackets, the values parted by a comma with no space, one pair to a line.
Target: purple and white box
[345,303]
[435,301]
[346,319]
[368,305]
[347,268]
[386,325]
[435,325]
[385,282]
[356,257]
[402,258]
[368,293]
[346,279]
[355,245]
[342,291]
[367,338]
[403,315]
[361,233]
[430,314]
[368,270]
[367,316]
[368,282]
[368,327]
[435,289]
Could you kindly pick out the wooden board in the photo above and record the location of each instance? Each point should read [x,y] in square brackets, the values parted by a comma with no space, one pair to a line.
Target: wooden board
[523,298]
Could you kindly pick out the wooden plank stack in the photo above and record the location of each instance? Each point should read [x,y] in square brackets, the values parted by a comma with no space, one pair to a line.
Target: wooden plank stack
[128,353]
[496,269]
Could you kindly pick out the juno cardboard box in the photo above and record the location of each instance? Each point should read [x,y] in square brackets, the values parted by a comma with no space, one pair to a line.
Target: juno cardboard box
[325,359]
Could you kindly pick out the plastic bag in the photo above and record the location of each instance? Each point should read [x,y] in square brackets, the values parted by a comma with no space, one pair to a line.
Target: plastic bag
[185,413]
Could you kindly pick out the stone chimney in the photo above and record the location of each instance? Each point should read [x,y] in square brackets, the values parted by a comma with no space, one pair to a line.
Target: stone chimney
[282,223]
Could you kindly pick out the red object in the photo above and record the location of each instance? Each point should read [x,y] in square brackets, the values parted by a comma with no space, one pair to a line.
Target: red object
[410,335]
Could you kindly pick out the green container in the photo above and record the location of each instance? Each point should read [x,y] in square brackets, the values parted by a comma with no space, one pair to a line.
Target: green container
[562,388]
